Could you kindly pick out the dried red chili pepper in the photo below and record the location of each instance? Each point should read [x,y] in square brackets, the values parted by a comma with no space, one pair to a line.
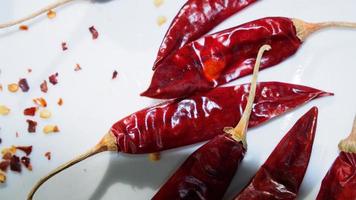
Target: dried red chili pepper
[24,85]
[282,174]
[207,173]
[340,181]
[227,55]
[197,118]
[31,111]
[194,19]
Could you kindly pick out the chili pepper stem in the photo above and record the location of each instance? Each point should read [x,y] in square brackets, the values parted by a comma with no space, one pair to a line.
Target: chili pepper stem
[35,14]
[239,132]
[348,144]
[108,143]
[304,29]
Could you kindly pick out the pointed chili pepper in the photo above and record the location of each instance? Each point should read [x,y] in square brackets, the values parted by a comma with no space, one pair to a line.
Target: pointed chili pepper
[227,55]
[195,19]
[195,119]
[207,173]
[282,174]
[340,181]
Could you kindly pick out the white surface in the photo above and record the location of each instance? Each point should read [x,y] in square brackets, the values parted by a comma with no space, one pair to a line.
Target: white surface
[128,42]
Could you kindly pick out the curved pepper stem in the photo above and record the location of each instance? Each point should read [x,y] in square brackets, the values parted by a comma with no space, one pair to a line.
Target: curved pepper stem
[108,143]
[348,144]
[304,29]
[35,14]
[239,132]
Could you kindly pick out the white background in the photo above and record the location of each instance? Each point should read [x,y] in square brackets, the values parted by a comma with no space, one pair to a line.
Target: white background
[128,42]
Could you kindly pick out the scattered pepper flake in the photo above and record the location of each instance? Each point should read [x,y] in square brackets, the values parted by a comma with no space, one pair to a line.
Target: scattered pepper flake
[64,46]
[23,27]
[7,156]
[60,102]
[40,101]
[44,87]
[51,14]
[23,85]
[10,150]
[114,74]
[31,126]
[154,156]
[45,114]
[15,164]
[93,32]
[4,110]
[48,155]
[158,3]
[4,165]
[77,67]
[17,134]
[29,70]
[2,177]
[53,78]
[161,20]
[26,161]
[13,87]
[0,87]
[50,129]
[26,149]
[31,111]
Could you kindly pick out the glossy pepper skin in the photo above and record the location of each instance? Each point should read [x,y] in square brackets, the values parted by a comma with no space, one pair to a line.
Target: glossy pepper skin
[282,174]
[340,181]
[196,18]
[222,57]
[202,116]
[207,173]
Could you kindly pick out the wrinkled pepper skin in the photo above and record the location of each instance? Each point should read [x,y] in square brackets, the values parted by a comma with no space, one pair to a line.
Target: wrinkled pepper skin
[282,174]
[202,116]
[219,58]
[340,181]
[196,18]
[207,173]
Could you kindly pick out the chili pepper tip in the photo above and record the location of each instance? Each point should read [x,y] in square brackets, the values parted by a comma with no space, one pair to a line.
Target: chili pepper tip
[348,144]
[108,143]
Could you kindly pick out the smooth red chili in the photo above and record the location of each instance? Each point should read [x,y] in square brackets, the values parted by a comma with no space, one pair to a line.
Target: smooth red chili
[202,116]
[195,19]
[282,174]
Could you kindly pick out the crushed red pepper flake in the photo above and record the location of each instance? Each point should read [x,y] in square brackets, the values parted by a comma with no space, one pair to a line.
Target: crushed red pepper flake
[26,161]
[1,88]
[24,85]
[17,134]
[44,87]
[23,27]
[53,78]
[4,165]
[15,164]
[93,32]
[13,87]
[60,102]
[10,150]
[40,101]
[77,67]
[7,156]
[51,14]
[26,149]
[2,177]
[64,46]
[31,111]
[114,75]
[31,126]
[29,70]
[48,155]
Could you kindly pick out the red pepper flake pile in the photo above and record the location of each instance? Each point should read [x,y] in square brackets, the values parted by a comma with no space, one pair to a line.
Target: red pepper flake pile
[48,155]
[26,149]
[23,28]
[30,111]
[31,126]
[23,85]
[40,101]
[51,14]
[114,75]
[77,67]
[53,79]
[44,87]
[64,46]
[60,102]
[94,32]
